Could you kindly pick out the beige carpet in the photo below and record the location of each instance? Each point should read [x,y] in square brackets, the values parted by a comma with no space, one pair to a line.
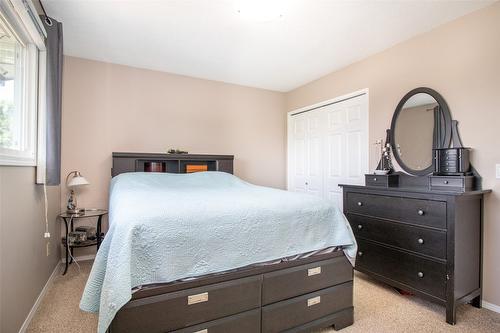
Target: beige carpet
[377,307]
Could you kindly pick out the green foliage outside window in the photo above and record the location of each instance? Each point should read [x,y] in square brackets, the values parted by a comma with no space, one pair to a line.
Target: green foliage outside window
[6,110]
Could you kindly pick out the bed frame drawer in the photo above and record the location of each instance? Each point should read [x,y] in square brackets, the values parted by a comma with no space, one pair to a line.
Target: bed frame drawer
[421,240]
[246,322]
[281,316]
[300,280]
[409,210]
[189,307]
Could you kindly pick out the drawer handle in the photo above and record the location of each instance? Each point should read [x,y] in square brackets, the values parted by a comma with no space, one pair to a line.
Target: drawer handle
[420,274]
[420,241]
[198,298]
[420,212]
[314,271]
[360,203]
[360,226]
[202,331]
[314,301]
[375,179]
[360,253]
[446,182]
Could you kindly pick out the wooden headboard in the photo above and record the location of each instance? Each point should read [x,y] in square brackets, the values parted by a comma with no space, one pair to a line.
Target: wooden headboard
[173,163]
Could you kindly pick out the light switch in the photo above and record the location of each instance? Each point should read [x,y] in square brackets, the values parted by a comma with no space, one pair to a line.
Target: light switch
[498,171]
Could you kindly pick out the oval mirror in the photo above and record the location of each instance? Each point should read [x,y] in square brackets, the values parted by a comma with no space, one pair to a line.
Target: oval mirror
[421,122]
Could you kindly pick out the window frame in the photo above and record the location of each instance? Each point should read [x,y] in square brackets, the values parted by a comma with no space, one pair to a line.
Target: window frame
[14,15]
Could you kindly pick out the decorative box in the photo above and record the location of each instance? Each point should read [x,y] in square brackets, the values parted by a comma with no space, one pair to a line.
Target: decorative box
[451,161]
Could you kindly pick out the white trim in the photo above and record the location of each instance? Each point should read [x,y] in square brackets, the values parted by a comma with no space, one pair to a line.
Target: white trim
[38,301]
[32,24]
[330,101]
[80,258]
[490,306]
[15,22]
[365,91]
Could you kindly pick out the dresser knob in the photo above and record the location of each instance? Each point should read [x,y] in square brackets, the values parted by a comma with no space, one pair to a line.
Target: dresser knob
[446,182]
[420,274]
[375,179]
[307,183]
[420,212]
[360,253]
[420,241]
[360,226]
[360,203]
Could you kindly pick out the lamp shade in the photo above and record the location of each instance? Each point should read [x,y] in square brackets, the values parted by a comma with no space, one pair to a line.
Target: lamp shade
[77,180]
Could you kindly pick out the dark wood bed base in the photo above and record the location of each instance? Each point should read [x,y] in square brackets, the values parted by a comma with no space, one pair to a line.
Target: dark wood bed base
[294,296]
[291,296]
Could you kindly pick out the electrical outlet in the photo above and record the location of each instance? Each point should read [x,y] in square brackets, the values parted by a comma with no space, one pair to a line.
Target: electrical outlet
[48,249]
[498,171]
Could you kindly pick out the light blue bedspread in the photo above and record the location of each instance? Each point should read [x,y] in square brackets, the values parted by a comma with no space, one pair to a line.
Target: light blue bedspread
[165,227]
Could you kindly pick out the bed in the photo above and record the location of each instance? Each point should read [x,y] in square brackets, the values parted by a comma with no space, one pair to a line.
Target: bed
[208,252]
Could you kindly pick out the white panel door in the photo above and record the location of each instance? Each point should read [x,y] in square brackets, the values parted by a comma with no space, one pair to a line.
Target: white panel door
[328,146]
[306,150]
[347,145]
[315,139]
[297,159]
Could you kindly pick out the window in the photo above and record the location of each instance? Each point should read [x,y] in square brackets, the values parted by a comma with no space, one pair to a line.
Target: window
[18,94]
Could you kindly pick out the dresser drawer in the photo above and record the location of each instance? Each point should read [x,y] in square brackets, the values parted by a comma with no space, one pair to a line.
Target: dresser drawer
[189,307]
[246,322]
[391,180]
[300,310]
[416,211]
[422,274]
[421,240]
[451,183]
[288,283]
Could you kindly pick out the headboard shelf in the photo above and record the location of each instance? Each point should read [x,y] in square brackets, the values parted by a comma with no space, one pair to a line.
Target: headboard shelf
[172,163]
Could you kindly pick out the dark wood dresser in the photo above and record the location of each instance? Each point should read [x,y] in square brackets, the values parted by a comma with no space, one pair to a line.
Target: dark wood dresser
[422,241]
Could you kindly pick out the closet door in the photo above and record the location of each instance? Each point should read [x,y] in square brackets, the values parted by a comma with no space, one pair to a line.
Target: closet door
[306,145]
[297,150]
[315,147]
[346,152]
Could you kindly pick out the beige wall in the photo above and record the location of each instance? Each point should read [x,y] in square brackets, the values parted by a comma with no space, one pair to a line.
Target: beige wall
[461,60]
[24,264]
[109,108]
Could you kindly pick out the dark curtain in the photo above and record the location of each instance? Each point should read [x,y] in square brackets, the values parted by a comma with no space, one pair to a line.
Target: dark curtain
[54,44]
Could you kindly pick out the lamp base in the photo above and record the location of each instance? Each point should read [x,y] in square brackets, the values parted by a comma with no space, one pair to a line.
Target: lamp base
[78,211]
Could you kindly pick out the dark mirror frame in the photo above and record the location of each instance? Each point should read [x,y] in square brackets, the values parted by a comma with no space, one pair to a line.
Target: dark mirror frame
[445,139]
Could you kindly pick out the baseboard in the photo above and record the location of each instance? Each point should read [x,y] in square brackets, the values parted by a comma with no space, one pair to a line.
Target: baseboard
[490,306]
[38,301]
[81,258]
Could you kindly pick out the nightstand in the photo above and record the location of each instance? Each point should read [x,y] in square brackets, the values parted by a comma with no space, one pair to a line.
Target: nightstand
[68,223]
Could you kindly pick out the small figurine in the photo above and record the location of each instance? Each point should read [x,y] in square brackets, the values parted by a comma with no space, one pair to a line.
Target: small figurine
[385,165]
[177,151]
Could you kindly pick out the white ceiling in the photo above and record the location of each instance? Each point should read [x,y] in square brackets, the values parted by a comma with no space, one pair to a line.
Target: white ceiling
[210,39]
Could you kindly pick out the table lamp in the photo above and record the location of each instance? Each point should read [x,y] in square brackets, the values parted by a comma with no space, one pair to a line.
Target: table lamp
[73,183]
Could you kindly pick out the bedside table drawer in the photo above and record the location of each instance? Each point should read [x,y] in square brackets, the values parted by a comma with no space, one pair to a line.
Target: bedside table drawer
[421,240]
[415,211]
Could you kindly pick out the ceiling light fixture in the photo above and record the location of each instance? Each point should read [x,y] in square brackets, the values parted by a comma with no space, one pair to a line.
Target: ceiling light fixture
[260,10]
